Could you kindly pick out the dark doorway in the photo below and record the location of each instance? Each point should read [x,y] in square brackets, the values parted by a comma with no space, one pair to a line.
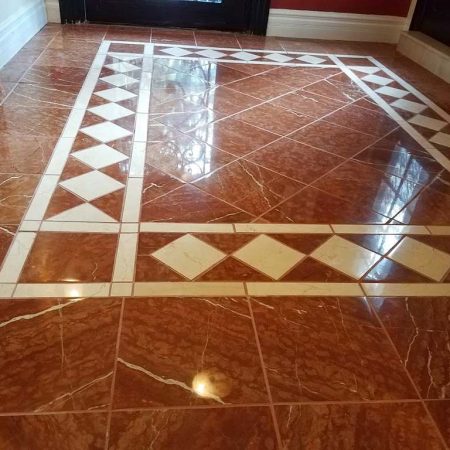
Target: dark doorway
[230,15]
[432,17]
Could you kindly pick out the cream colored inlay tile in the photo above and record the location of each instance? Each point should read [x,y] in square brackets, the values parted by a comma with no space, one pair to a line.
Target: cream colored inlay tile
[421,257]
[345,256]
[269,256]
[189,256]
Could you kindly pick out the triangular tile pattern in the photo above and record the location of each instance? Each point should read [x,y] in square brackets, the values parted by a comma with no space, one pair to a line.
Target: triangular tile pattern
[92,179]
[290,257]
[249,56]
[426,121]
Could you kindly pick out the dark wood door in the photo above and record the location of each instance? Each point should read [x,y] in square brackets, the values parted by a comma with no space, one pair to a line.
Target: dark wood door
[432,17]
[231,15]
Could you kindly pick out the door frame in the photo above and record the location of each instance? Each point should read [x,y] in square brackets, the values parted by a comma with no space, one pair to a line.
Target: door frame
[73,11]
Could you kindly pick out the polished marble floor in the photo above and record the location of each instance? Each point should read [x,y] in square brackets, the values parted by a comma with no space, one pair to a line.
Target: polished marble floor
[217,241]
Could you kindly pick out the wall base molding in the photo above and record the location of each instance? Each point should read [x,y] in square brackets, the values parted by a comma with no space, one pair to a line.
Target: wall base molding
[53,13]
[19,28]
[331,25]
[427,52]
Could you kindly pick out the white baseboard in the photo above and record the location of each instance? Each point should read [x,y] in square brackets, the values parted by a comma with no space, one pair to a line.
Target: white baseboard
[53,14]
[18,29]
[427,52]
[338,26]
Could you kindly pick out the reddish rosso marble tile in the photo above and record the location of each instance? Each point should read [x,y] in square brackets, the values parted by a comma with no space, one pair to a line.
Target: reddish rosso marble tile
[258,42]
[25,154]
[16,191]
[357,426]
[249,186]
[70,257]
[187,351]
[309,104]
[13,71]
[250,69]
[157,183]
[173,36]
[327,349]
[228,101]
[440,410]
[139,34]
[189,204]
[216,39]
[399,155]
[61,431]
[426,356]
[333,138]
[212,429]
[67,58]
[234,136]
[7,233]
[83,32]
[68,44]
[358,183]
[184,157]
[362,119]
[428,313]
[260,87]
[62,200]
[5,89]
[57,355]
[295,77]
[295,160]
[230,269]
[187,121]
[20,121]
[312,205]
[274,119]
[429,207]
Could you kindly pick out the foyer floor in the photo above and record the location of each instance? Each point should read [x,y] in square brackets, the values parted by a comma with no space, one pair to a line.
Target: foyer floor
[217,241]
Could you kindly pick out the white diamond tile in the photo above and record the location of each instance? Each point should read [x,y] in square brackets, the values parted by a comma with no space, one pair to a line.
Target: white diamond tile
[244,56]
[441,139]
[115,94]
[119,80]
[392,92]
[346,257]
[111,111]
[278,57]
[407,105]
[365,69]
[189,256]
[311,59]
[106,132]
[83,213]
[209,53]
[427,122]
[122,67]
[91,185]
[269,256]
[99,156]
[422,258]
[176,51]
[382,81]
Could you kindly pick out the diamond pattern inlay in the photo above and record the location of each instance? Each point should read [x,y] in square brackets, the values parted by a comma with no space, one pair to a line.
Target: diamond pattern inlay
[214,54]
[92,185]
[311,59]
[245,56]
[422,258]
[269,256]
[346,257]
[111,111]
[119,79]
[99,156]
[115,94]
[189,256]
[176,51]
[122,67]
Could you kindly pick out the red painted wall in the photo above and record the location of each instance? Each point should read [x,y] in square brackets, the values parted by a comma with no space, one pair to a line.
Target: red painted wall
[387,7]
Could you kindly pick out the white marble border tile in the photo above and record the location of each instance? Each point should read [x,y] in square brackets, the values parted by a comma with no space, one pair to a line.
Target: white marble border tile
[406,289]
[126,255]
[63,290]
[265,289]
[186,289]
[173,227]
[380,229]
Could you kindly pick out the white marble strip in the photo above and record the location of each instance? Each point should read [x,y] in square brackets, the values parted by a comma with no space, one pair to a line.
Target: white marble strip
[264,289]
[121,290]
[63,290]
[30,225]
[132,203]
[407,289]
[137,164]
[41,197]
[129,228]
[60,155]
[380,229]
[164,227]
[282,228]
[16,257]
[6,290]
[435,153]
[186,289]
[80,227]
[125,257]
